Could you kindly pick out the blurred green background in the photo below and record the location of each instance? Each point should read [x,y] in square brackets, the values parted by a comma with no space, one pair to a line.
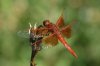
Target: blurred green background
[16,14]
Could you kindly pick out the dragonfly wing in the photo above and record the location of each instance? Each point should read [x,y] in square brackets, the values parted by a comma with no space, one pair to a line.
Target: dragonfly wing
[42,31]
[60,21]
[51,40]
[66,31]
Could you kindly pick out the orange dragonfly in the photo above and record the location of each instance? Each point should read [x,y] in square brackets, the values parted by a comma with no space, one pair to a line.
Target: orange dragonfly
[56,32]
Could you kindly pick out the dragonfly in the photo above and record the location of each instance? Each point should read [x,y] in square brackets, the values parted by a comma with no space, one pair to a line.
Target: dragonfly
[50,34]
[56,32]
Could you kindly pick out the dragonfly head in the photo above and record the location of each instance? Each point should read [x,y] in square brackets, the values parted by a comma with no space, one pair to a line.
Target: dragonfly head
[46,23]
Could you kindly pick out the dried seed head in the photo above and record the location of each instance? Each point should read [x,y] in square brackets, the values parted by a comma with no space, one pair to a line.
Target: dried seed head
[35,26]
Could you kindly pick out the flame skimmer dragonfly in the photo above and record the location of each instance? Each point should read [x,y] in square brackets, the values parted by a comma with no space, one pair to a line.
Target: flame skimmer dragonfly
[53,33]
[56,32]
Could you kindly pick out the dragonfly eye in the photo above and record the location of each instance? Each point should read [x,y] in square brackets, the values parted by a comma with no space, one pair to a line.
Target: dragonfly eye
[46,22]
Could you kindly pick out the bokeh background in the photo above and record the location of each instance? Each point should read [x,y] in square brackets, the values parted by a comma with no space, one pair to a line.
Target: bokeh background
[15,16]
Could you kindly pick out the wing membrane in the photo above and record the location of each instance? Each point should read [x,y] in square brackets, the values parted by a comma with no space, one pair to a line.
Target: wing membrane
[51,40]
[42,31]
[66,31]
[60,21]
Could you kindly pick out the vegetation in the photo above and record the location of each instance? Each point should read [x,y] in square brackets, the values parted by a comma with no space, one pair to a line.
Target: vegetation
[15,16]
